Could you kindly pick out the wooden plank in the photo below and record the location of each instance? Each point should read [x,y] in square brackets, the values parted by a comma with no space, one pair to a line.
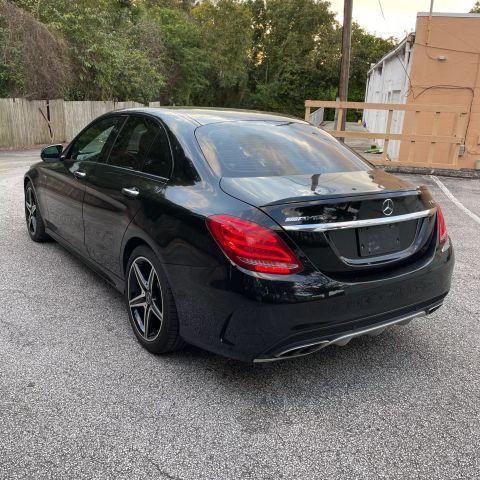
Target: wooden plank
[339,121]
[4,131]
[387,131]
[396,136]
[307,114]
[408,107]
[379,161]
[57,120]
[23,125]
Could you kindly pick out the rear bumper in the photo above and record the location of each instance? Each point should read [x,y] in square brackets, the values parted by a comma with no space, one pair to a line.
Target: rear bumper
[249,318]
[300,349]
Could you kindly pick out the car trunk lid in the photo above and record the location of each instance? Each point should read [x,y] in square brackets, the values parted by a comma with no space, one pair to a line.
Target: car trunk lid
[345,223]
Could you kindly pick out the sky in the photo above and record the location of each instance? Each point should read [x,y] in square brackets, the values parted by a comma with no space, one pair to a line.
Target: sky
[400,15]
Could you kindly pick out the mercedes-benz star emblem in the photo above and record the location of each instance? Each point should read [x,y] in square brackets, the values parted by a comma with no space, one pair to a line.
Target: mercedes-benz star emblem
[387,207]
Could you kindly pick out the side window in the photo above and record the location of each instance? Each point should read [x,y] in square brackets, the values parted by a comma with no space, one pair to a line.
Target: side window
[159,158]
[90,145]
[133,143]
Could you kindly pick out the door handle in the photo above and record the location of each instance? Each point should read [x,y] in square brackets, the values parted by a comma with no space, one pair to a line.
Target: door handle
[79,174]
[131,191]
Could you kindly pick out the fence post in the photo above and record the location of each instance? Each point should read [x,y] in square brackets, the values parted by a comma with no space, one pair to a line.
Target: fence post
[307,113]
[339,123]
[387,131]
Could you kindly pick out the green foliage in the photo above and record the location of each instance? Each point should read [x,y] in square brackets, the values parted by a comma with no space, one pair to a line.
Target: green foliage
[10,77]
[264,54]
[185,60]
[226,33]
[289,36]
[30,56]
[475,8]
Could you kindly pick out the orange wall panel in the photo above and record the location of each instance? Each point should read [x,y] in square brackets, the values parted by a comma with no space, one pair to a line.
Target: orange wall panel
[453,80]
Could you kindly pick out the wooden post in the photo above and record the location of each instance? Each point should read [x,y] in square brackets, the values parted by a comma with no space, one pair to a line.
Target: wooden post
[387,131]
[307,113]
[340,124]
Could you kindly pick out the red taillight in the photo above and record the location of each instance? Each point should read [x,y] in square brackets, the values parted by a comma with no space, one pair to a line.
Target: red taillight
[441,225]
[252,246]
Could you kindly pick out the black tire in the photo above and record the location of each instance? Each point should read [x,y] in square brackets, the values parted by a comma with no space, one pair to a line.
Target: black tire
[149,295]
[33,216]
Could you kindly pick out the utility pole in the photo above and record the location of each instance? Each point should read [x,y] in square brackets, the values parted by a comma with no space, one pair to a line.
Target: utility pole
[345,60]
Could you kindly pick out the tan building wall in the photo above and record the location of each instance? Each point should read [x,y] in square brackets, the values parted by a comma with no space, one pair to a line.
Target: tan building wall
[445,71]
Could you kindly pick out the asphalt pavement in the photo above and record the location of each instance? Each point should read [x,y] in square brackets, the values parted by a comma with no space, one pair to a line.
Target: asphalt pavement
[80,398]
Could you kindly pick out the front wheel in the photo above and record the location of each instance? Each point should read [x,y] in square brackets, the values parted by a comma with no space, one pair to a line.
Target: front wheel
[35,224]
[150,302]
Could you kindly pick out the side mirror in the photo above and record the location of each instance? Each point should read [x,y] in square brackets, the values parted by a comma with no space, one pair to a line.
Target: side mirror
[51,153]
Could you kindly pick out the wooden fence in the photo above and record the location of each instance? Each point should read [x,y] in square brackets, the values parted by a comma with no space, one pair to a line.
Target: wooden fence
[428,119]
[25,123]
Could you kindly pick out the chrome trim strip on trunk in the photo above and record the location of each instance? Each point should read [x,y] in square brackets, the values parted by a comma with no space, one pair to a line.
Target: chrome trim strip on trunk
[370,222]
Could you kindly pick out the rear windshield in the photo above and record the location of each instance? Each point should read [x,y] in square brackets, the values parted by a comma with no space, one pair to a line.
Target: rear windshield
[265,149]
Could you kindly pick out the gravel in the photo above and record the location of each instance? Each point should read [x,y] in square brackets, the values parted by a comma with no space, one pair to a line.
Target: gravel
[79,397]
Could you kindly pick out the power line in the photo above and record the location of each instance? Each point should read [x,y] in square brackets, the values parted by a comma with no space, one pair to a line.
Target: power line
[381,9]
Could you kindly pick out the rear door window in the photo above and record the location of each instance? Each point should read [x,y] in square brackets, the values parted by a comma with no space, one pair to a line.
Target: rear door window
[159,157]
[264,149]
[133,143]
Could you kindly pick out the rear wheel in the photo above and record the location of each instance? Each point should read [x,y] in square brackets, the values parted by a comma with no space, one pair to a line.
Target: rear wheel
[35,224]
[150,302]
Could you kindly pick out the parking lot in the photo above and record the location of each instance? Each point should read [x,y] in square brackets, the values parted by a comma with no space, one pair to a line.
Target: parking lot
[79,397]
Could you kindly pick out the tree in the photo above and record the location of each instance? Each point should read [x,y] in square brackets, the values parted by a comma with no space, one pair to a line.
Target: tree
[33,62]
[185,59]
[475,8]
[106,59]
[264,54]
[226,31]
[288,35]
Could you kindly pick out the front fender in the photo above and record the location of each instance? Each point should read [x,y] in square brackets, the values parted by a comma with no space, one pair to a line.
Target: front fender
[39,184]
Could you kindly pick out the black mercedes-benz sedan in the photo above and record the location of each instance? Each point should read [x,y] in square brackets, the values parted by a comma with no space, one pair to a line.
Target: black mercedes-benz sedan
[253,235]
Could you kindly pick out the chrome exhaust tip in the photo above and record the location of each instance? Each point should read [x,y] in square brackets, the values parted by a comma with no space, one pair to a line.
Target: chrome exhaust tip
[301,350]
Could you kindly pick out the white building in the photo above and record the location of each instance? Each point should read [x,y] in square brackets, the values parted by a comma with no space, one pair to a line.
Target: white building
[388,82]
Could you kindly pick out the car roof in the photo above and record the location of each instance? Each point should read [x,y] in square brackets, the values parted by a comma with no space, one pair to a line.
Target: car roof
[204,115]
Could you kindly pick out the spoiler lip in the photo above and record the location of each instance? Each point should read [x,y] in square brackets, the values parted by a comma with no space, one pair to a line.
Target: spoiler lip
[318,199]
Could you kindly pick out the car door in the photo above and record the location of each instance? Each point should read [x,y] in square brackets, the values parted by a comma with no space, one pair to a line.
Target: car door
[114,191]
[66,181]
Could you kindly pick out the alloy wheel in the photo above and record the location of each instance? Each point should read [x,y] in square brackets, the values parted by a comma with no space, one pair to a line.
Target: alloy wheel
[145,298]
[31,210]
